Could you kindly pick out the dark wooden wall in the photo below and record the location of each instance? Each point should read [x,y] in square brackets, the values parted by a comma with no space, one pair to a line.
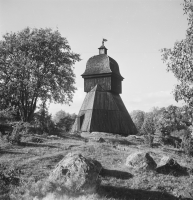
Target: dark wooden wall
[116,85]
[110,83]
[90,83]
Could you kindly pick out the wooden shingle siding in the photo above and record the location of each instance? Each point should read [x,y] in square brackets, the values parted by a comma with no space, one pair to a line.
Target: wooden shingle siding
[109,83]
[87,120]
[88,101]
[105,82]
[116,85]
[101,64]
[105,112]
[111,121]
[119,103]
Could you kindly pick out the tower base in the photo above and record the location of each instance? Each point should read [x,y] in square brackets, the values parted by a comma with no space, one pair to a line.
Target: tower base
[104,111]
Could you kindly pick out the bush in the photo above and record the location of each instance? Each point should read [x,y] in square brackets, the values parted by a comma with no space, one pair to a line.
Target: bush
[7,114]
[149,128]
[19,129]
[40,189]
[149,140]
[186,144]
[9,178]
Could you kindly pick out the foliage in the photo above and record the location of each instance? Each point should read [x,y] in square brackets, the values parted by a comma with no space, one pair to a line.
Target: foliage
[35,65]
[149,127]
[7,114]
[43,120]
[186,114]
[19,129]
[41,189]
[168,121]
[59,115]
[8,179]
[64,121]
[179,60]
[187,144]
[138,117]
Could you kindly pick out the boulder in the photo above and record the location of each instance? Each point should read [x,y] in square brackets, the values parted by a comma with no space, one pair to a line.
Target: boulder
[168,165]
[140,161]
[101,140]
[76,174]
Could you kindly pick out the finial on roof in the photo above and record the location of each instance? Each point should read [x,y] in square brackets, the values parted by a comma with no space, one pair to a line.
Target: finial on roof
[103,49]
[104,40]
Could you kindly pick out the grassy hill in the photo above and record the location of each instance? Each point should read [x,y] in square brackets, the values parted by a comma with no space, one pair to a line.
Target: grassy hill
[22,166]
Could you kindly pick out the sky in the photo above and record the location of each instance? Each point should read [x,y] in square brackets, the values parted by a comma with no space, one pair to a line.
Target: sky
[136,31]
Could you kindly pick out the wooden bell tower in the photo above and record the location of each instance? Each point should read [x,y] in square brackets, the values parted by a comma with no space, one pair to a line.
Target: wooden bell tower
[103,109]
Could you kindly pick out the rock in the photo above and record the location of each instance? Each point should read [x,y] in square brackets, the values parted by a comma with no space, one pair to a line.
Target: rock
[76,174]
[140,161]
[101,140]
[168,165]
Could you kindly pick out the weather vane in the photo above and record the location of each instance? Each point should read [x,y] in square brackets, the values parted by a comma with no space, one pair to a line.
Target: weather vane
[104,40]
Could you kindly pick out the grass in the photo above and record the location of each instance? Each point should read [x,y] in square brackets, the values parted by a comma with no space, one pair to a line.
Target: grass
[32,162]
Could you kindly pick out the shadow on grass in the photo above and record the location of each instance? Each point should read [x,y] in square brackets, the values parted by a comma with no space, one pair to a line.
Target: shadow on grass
[172,170]
[9,152]
[73,136]
[133,194]
[156,145]
[121,142]
[116,174]
[31,144]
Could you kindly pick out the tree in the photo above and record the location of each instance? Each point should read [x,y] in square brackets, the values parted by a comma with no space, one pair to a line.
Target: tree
[149,127]
[179,60]
[36,65]
[43,120]
[138,118]
[64,120]
[169,120]
[186,115]
[59,115]
[67,122]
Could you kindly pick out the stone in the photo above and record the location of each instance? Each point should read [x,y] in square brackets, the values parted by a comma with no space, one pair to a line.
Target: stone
[76,174]
[168,165]
[101,140]
[140,161]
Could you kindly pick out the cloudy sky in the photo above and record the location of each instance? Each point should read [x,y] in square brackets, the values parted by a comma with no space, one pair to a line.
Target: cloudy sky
[136,30]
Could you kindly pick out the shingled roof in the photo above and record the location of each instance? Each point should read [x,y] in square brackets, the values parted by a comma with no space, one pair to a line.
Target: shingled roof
[101,64]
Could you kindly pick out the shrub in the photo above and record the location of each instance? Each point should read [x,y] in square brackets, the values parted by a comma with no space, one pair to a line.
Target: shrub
[149,128]
[179,133]
[39,189]
[9,178]
[186,144]
[7,114]
[19,129]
